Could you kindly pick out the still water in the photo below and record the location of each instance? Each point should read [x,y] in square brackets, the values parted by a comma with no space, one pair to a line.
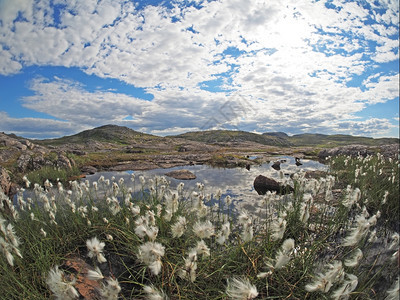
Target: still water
[236,182]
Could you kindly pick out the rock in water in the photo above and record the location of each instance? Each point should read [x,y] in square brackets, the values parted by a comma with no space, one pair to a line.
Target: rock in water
[263,184]
[181,174]
[298,163]
[276,165]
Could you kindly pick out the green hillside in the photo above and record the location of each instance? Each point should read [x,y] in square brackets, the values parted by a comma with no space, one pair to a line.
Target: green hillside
[107,133]
[125,136]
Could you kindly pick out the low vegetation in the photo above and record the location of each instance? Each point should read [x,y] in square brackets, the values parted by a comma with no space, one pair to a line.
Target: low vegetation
[53,174]
[333,238]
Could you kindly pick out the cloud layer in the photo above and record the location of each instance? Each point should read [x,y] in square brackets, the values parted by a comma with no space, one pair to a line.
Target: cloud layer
[252,65]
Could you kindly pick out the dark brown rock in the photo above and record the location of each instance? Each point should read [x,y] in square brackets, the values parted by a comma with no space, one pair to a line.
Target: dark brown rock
[263,184]
[276,165]
[298,163]
[87,288]
[181,174]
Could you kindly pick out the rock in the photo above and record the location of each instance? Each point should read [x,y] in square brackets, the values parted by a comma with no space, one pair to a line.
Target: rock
[64,162]
[23,162]
[5,181]
[21,146]
[87,288]
[276,165]
[181,174]
[88,170]
[29,144]
[133,151]
[78,152]
[298,163]
[183,148]
[263,184]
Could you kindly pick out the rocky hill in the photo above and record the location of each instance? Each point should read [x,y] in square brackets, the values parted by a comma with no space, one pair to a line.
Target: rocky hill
[323,140]
[226,137]
[281,139]
[107,133]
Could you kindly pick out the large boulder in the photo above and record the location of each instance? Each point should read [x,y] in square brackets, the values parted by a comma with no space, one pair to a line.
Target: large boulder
[263,184]
[181,174]
[89,170]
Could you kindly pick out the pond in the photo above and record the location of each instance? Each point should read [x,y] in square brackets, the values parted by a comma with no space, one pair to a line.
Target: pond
[236,182]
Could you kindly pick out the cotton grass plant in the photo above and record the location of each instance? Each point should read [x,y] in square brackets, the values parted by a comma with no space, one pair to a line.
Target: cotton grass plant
[332,238]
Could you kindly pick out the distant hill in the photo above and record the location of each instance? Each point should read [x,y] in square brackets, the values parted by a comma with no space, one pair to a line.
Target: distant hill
[282,139]
[227,136]
[107,133]
[125,136]
[322,140]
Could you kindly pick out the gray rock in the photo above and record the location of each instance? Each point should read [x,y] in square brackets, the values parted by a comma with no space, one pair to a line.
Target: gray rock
[88,170]
[29,144]
[23,162]
[64,162]
[181,174]
[5,181]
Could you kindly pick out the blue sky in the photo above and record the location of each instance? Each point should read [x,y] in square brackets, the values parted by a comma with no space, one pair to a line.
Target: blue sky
[168,67]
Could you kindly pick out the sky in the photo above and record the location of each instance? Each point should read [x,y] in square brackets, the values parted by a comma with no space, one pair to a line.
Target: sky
[169,67]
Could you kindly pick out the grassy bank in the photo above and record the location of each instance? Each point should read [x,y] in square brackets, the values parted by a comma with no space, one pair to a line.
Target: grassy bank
[333,237]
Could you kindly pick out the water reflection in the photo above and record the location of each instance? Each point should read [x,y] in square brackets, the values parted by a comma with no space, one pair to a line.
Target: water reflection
[236,182]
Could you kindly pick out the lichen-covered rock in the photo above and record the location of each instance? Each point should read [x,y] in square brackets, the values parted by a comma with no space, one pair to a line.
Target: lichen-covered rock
[5,181]
[64,162]
[88,170]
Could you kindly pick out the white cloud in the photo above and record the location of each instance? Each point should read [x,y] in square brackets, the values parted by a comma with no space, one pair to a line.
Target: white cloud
[370,127]
[9,10]
[294,67]
[38,127]
[68,100]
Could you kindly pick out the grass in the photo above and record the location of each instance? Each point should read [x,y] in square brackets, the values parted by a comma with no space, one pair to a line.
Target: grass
[137,222]
[52,174]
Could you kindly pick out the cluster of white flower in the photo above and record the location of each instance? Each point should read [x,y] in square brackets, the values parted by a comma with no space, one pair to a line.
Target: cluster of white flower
[9,242]
[163,212]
